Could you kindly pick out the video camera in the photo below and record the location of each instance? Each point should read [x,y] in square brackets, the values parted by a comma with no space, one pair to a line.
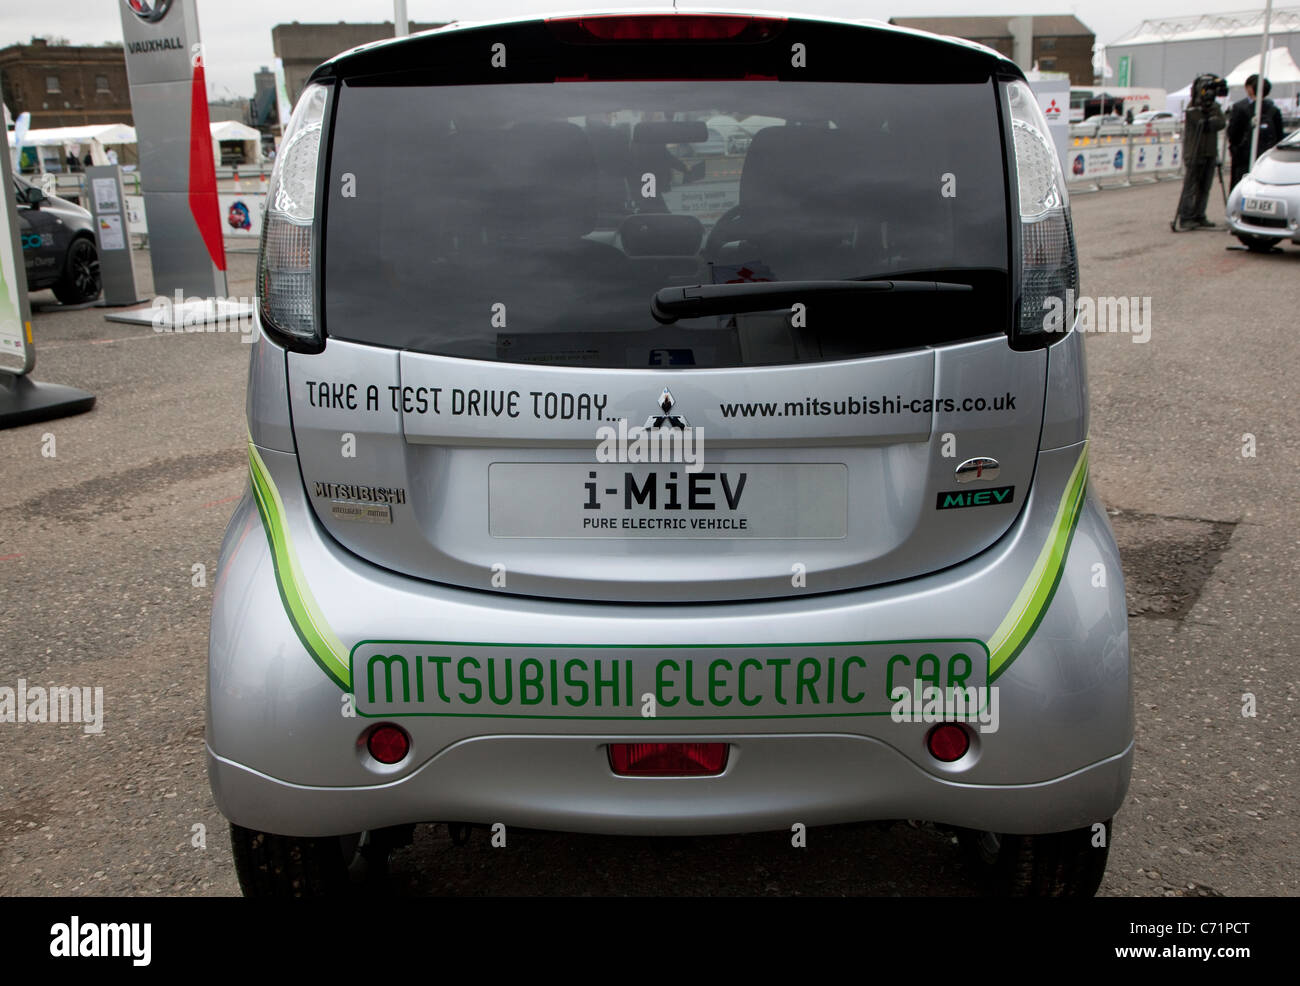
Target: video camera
[1209,87]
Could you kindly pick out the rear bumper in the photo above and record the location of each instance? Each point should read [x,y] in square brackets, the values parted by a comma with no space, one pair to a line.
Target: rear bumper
[283,746]
[771,782]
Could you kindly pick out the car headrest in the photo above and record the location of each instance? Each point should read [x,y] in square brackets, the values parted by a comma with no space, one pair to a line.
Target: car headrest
[795,177]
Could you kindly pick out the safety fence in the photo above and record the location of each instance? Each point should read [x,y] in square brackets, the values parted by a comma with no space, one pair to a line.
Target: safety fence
[1114,157]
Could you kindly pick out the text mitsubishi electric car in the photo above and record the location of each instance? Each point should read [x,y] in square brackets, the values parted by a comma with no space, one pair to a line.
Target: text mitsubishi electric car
[601,485]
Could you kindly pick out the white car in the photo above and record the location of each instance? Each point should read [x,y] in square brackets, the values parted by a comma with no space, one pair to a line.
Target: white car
[1264,207]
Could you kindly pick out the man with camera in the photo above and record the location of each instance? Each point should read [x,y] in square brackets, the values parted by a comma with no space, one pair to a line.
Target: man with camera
[1201,125]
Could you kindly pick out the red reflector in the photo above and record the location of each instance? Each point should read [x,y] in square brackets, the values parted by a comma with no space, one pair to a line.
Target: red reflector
[388,743]
[667,759]
[948,742]
[666,27]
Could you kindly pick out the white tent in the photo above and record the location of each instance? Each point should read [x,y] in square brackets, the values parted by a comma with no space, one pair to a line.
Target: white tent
[77,140]
[226,131]
[1281,68]
[1176,102]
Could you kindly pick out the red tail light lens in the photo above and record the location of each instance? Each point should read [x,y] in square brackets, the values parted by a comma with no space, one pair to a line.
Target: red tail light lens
[948,742]
[664,27]
[667,759]
[388,743]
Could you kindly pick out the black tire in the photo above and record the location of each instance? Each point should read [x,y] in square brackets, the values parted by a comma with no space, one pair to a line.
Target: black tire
[80,281]
[287,866]
[1062,864]
[1257,244]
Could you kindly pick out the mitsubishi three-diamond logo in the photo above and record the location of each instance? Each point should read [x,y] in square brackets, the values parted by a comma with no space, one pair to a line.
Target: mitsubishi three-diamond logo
[666,419]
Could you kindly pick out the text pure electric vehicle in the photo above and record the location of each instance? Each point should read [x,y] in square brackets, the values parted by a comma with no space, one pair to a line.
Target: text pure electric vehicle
[587,497]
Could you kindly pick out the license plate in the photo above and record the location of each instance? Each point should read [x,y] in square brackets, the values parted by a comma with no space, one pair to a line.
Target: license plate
[1264,207]
[732,501]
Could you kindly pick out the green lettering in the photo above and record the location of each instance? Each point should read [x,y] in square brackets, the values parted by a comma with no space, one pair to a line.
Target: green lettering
[387,662]
[527,681]
[741,676]
[954,679]
[460,674]
[610,683]
[889,676]
[581,685]
[492,682]
[778,663]
[439,662]
[660,683]
[844,678]
[807,681]
[714,683]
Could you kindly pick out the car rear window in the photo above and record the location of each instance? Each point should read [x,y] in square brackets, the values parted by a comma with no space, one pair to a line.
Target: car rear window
[534,222]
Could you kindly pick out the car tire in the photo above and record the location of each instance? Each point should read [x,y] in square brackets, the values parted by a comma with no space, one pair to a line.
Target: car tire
[80,281]
[1257,244]
[270,865]
[1060,864]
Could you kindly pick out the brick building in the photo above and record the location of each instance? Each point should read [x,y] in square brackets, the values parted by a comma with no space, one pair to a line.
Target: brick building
[1061,42]
[66,85]
[304,46]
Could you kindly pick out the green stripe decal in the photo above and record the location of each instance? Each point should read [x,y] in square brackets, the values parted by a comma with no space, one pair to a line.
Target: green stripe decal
[325,648]
[299,604]
[1030,605]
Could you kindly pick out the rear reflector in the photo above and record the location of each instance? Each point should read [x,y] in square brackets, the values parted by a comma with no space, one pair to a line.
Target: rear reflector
[667,759]
[948,742]
[664,27]
[388,743]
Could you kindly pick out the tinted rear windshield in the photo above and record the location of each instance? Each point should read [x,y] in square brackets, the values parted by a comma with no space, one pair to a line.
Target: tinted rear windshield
[533,223]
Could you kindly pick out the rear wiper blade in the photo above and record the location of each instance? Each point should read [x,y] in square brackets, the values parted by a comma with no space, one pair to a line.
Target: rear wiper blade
[670,304]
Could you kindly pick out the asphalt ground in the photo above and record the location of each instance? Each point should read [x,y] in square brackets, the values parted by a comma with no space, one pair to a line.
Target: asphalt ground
[98,545]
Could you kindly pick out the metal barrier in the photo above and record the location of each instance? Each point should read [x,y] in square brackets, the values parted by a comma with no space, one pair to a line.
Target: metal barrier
[1116,157]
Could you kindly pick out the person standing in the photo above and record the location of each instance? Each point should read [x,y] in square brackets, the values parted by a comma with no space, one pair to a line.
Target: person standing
[1201,125]
[1241,127]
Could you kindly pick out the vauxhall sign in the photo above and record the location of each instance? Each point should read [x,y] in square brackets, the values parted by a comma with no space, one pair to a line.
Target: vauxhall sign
[164,64]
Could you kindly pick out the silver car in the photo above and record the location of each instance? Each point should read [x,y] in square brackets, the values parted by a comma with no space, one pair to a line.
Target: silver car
[585,499]
[1264,207]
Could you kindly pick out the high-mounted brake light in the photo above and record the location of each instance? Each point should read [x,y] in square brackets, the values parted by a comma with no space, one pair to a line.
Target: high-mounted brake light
[664,27]
[1049,269]
[285,284]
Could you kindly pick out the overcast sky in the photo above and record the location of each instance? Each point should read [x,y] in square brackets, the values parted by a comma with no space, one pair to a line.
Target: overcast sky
[237,33]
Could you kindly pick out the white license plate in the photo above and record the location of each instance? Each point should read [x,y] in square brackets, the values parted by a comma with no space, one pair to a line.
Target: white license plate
[615,501]
[1263,207]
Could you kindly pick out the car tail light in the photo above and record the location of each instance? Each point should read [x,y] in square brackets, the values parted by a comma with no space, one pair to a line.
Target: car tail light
[1049,264]
[285,280]
[664,27]
[667,759]
[388,744]
[948,742]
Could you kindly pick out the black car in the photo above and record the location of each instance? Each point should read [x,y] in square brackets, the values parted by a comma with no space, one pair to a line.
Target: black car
[58,241]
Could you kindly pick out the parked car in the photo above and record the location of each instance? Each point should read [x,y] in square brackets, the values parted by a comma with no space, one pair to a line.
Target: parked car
[485,574]
[1151,116]
[58,244]
[1264,207]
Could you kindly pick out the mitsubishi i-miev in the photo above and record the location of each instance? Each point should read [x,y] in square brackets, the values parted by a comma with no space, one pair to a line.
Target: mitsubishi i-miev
[603,483]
